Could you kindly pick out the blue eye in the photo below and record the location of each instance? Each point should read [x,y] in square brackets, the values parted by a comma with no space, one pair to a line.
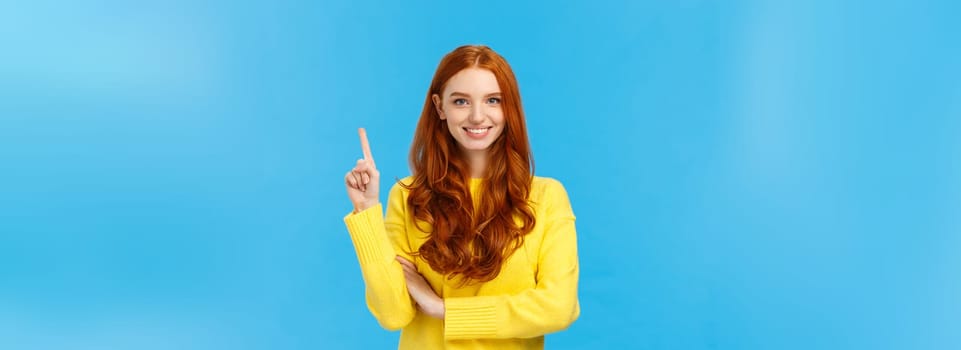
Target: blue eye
[460,102]
[494,100]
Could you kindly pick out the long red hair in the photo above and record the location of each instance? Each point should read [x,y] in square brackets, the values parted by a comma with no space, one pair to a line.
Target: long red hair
[464,241]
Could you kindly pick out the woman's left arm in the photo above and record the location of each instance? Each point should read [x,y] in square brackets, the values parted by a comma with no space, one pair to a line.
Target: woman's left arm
[549,307]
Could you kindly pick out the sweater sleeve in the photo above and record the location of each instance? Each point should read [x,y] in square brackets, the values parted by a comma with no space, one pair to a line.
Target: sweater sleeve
[550,306]
[377,242]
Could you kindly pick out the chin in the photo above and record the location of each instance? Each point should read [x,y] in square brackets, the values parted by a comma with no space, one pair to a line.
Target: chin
[476,149]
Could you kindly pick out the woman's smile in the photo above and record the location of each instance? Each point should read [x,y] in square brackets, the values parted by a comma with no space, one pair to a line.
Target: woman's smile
[477,133]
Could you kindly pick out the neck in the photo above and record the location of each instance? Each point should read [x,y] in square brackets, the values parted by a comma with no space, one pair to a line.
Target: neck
[478,163]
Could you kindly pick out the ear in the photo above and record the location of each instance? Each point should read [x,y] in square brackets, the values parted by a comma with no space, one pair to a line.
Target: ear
[437,105]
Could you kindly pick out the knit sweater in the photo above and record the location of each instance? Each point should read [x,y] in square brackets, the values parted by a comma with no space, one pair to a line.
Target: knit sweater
[535,292]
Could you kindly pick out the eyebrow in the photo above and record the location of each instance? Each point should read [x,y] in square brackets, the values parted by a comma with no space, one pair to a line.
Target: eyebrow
[455,93]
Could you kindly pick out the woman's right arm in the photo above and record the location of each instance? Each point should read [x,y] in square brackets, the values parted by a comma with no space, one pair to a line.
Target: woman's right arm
[377,242]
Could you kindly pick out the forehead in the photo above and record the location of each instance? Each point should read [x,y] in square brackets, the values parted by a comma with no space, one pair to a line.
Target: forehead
[472,81]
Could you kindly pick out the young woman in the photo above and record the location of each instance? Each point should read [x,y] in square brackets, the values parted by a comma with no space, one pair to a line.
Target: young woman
[475,251]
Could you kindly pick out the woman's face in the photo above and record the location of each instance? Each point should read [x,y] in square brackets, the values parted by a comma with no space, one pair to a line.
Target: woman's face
[471,105]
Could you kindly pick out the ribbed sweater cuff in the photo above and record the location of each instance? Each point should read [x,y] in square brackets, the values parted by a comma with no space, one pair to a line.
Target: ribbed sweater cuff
[470,318]
[364,228]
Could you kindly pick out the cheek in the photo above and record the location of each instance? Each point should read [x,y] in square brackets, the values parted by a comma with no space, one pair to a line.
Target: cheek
[456,115]
[497,116]
[451,127]
[454,119]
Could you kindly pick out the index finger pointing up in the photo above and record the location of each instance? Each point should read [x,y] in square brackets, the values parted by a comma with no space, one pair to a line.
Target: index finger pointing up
[365,145]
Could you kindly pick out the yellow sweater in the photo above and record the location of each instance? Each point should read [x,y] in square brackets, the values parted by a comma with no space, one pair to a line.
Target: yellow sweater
[534,294]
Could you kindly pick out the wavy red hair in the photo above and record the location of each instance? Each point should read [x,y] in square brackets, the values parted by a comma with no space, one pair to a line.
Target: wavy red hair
[464,241]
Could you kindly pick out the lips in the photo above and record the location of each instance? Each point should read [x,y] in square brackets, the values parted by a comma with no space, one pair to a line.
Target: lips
[477,133]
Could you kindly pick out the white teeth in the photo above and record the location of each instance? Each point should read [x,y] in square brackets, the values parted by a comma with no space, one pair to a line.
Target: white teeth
[477,131]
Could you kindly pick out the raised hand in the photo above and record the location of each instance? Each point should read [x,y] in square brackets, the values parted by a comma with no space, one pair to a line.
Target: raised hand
[363,181]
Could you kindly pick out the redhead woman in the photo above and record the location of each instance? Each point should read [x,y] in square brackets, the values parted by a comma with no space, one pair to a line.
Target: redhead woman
[474,252]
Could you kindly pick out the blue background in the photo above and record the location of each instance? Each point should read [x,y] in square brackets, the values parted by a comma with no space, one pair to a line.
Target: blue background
[746,174]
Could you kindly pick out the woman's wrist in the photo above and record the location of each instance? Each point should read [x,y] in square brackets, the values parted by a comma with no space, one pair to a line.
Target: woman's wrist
[363,206]
[439,308]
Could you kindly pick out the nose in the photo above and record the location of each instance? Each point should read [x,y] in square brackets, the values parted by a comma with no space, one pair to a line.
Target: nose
[476,114]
